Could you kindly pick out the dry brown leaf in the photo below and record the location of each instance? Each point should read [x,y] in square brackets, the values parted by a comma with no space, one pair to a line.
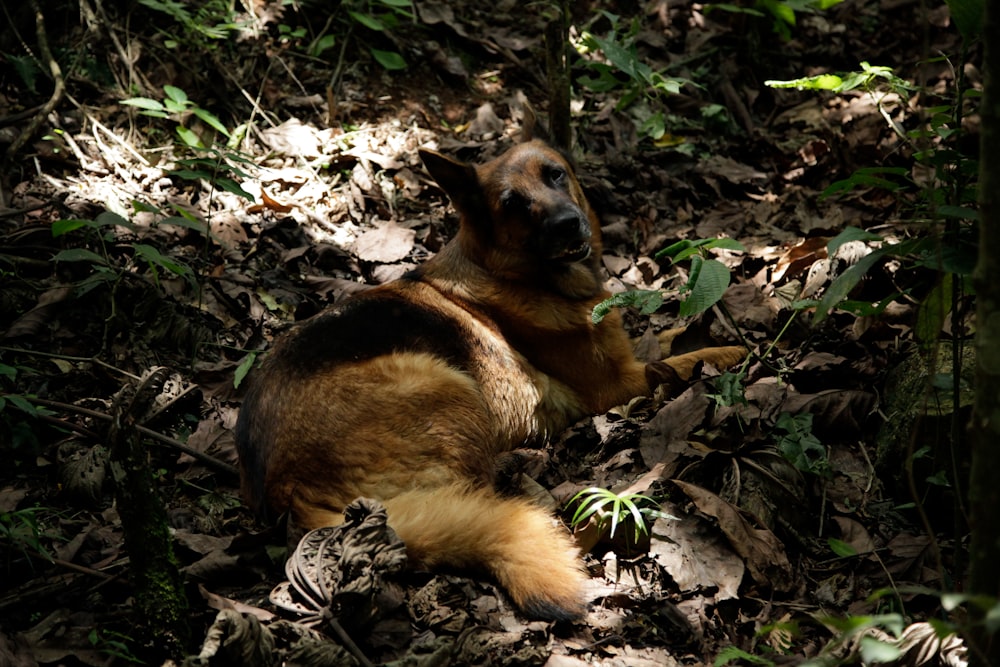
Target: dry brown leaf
[386,243]
[800,257]
[695,556]
[761,550]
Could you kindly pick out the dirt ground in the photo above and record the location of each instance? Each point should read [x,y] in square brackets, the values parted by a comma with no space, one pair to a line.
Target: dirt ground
[793,532]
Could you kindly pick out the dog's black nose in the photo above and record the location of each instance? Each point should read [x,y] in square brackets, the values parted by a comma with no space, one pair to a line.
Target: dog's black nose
[568,226]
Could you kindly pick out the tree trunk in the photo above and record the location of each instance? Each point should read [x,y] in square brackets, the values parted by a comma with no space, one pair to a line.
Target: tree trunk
[557,66]
[984,489]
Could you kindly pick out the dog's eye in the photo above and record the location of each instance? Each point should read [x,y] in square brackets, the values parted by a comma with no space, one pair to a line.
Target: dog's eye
[557,176]
[513,202]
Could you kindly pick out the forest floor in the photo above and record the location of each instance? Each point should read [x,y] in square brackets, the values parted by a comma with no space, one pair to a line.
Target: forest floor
[793,531]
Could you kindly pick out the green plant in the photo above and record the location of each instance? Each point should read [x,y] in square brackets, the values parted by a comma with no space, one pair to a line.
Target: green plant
[622,68]
[114,644]
[105,269]
[797,443]
[608,507]
[18,418]
[22,530]
[783,12]
[707,280]
[734,654]
[382,16]
[202,26]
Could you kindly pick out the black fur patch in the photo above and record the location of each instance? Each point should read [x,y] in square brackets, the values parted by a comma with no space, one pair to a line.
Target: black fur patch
[370,325]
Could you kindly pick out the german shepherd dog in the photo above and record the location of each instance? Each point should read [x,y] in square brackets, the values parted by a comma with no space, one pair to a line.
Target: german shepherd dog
[409,392]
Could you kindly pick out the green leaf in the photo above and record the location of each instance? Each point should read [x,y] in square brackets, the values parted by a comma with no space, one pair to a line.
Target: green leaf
[322,44]
[647,301]
[112,219]
[398,4]
[968,16]
[243,369]
[729,389]
[960,212]
[707,283]
[229,185]
[819,82]
[189,138]
[155,257]
[210,119]
[60,227]
[842,286]
[144,103]
[78,255]
[390,60]
[176,94]
[734,654]
[367,21]
[22,404]
[178,221]
[841,548]
[877,651]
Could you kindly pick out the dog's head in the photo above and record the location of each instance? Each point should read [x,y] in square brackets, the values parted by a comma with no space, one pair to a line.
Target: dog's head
[524,216]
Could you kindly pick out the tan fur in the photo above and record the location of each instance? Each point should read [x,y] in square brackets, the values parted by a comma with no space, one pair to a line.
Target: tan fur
[409,392]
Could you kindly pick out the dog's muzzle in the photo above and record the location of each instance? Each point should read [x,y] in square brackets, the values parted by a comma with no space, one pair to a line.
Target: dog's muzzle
[566,236]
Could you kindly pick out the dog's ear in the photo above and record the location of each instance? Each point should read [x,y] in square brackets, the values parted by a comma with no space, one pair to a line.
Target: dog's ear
[458,180]
[531,126]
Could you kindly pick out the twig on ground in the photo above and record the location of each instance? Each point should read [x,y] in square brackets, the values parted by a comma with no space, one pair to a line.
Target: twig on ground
[208,460]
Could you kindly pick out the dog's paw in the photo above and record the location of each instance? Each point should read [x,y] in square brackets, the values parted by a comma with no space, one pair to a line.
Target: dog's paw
[661,374]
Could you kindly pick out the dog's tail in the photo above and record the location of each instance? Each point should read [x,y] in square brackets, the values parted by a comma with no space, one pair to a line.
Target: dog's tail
[517,542]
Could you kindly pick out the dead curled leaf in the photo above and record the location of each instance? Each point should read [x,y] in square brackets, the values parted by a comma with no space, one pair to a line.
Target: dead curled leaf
[385,243]
[761,550]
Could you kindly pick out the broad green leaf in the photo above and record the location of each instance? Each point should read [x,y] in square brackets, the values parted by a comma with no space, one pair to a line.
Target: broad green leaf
[155,257]
[189,138]
[78,255]
[390,60]
[210,119]
[869,176]
[707,284]
[819,82]
[144,103]
[322,44]
[399,4]
[22,404]
[229,185]
[176,94]
[732,654]
[179,221]
[960,212]
[877,651]
[190,175]
[112,219]
[968,16]
[60,227]
[842,286]
[243,369]
[841,548]
[367,21]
